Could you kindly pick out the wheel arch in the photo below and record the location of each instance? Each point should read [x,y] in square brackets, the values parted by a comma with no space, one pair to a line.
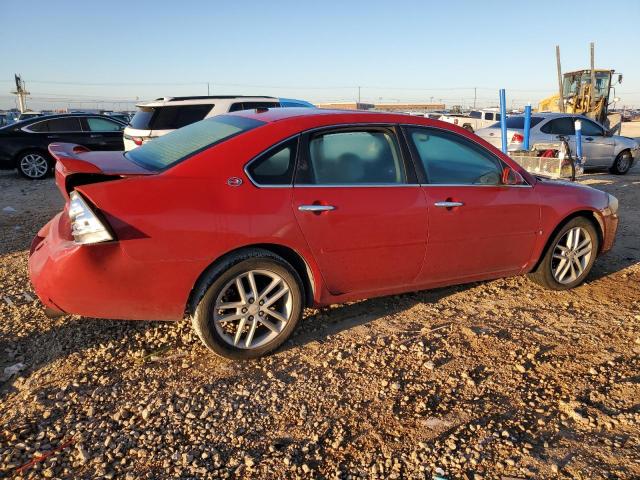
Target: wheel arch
[590,215]
[297,261]
[24,150]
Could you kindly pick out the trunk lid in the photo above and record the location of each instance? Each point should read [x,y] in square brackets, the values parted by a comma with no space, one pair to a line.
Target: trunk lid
[77,165]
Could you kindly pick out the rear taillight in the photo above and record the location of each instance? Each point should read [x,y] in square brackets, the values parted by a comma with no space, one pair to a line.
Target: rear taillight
[137,140]
[86,227]
[517,138]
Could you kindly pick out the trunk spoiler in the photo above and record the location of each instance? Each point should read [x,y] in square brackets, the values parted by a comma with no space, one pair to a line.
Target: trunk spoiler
[77,165]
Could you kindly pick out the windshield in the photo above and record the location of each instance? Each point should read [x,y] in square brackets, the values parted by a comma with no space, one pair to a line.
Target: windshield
[169,149]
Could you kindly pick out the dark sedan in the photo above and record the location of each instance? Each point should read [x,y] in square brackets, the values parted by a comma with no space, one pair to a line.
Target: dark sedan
[23,145]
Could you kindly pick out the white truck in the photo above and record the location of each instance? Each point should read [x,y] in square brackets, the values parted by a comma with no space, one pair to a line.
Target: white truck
[475,119]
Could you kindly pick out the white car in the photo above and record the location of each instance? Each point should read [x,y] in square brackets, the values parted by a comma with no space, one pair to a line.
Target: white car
[599,146]
[164,115]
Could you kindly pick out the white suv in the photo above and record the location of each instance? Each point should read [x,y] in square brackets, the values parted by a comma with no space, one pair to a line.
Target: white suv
[164,115]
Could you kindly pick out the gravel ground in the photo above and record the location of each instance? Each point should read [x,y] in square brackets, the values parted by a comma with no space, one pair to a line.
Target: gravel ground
[489,380]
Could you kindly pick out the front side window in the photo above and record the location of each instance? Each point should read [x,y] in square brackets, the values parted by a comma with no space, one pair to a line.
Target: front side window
[275,167]
[488,116]
[167,150]
[449,159]
[39,127]
[365,157]
[71,124]
[559,126]
[103,125]
[591,129]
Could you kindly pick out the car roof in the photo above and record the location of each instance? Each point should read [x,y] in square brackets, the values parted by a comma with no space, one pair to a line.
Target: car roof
[203,100]
[63,115]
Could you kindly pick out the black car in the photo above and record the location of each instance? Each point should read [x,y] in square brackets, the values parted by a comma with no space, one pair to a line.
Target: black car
[24,145]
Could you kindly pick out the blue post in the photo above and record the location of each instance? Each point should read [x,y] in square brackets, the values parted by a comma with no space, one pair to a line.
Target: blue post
[503,119]
[527,126]
[578,126]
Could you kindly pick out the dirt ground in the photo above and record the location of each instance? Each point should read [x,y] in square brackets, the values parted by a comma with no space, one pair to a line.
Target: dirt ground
[495,380]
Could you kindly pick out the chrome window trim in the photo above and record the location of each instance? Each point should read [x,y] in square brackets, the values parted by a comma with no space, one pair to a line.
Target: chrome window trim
[28,130]
[395,185]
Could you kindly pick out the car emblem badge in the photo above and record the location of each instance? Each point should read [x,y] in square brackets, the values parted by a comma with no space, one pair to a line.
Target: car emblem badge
[234,181]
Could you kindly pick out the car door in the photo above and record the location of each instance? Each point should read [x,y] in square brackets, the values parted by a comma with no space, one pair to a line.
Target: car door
[103,133]
[478,227]
[360,209]
[596,145]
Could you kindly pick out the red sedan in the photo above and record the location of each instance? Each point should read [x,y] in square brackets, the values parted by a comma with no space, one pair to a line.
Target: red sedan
[242,220]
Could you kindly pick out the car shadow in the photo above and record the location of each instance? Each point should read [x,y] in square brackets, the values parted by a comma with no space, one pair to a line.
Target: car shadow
[331,321]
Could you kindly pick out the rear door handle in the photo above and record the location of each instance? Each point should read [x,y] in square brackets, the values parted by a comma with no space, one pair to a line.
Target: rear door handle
[589,139]
[448,204]
[316,208]
[96,135]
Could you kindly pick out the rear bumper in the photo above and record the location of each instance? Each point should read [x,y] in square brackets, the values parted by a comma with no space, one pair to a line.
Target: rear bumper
[101,280]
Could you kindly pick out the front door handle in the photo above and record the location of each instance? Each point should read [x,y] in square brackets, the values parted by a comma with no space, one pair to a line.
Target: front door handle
[96,135]
[448,204]
[316,208]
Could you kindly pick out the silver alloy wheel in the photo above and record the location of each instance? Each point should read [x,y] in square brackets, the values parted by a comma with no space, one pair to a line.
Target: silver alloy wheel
[623,162]
[253,309]
[571,255]
[34,165]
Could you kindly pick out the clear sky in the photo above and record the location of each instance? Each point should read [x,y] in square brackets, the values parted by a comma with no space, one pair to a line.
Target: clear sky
[70,51]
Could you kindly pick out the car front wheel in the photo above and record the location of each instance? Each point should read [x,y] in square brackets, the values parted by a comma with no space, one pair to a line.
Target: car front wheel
[569,257]
[34,165]
[622,163]
[253,303]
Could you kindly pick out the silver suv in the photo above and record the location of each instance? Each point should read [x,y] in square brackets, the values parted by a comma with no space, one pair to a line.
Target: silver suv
[163,115]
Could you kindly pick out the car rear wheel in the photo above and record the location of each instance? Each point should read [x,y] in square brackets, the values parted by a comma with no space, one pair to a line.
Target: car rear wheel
[34,165]
[569,257]
[252,305]
[622,163]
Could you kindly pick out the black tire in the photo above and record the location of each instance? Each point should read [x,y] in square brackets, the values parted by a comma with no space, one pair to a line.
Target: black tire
[218,279]
[622,164]
[33,158]
[543,274]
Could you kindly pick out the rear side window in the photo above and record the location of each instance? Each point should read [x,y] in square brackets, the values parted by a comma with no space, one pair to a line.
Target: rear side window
[352,158]
[518,122]
[450,159]
[488,116]
[142,118]
[96,124]
[39,127]
[169,118]
[252,105]
[559,126]
[275,167]
[475,114]
[65,125]
[167,150]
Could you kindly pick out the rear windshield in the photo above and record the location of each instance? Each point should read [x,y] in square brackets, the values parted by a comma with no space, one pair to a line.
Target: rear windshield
[167,150]
[168,118]
[518,122]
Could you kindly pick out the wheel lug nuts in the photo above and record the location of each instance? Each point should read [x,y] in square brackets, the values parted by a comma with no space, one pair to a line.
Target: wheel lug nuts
[251,300]
[261,302]
[250,317]
[244,310]
[261,313]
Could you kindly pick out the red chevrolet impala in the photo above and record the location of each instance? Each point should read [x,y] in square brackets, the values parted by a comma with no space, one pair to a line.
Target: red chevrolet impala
[239,221]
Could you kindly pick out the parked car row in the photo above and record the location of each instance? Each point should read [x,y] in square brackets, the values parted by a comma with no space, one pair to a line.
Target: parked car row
[599,146]
[382,204]
[163,115]
[23,145]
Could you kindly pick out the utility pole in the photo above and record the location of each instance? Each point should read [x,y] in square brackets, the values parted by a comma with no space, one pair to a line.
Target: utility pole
[475,96]
[359,95]
[592,97]
[207,89]
[560,99]
[21,92]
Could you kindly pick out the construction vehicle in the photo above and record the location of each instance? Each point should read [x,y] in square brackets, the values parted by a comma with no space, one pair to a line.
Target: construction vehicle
[576,95]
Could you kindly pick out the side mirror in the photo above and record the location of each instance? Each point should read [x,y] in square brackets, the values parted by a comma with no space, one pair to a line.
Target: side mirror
[608,133]
[511,177]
